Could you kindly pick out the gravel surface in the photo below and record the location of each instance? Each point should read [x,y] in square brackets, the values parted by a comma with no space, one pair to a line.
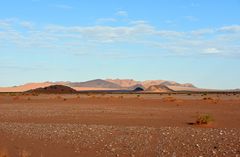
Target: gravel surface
[130,141]
[118,125]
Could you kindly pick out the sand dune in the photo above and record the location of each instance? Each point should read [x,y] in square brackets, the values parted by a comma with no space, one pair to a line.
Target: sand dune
[25,87]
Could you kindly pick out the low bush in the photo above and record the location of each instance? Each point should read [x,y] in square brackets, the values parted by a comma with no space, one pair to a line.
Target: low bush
[204,119]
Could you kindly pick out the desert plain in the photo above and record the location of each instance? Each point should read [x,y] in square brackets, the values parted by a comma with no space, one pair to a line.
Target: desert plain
[119,124]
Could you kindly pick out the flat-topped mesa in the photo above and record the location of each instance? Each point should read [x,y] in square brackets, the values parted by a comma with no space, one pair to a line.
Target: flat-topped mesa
[54,89]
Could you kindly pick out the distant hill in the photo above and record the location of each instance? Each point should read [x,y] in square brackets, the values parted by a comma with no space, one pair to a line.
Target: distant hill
[136,86]
[54,89]
[171,83]
[98,83]
[127,83]
[138,89]
[108,84]
[25,87]
[159,88]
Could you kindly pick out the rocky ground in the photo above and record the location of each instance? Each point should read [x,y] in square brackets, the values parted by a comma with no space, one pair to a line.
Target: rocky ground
[100,140]
[21,134]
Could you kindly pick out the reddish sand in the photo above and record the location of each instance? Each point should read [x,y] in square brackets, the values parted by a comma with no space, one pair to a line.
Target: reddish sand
[118,125]
[25,87]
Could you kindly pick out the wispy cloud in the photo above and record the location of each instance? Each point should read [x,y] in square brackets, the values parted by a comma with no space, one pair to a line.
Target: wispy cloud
[139,22]
[27,24]
[201,32]
[83,39]
[232,28]
[191,18]
[211,51]
[122,13]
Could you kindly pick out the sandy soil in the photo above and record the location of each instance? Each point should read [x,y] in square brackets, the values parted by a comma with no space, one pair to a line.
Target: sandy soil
[119,125]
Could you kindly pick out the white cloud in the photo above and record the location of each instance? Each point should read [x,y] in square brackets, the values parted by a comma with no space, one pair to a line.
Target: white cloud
[191,18]
[6,23]
[232,28]
[139,22]
[167,33]
[103,33]
[211,51]
[202,31]
[27,24]
[122,13]
[138,33]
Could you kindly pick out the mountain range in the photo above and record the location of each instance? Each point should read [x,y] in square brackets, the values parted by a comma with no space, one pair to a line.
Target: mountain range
[108,84]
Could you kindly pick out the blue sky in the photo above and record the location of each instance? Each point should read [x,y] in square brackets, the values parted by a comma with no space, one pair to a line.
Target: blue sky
[196,41]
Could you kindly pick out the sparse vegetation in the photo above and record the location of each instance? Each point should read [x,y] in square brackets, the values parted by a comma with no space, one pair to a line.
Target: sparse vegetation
[207,98]
[12,94]
[204,119]
[121,97]
[34,94]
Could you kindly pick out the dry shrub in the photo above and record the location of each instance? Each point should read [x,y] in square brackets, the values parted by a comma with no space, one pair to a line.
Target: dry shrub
[121,97]
[204,119]
[12,94]
[25,94]
[34,94]
[208,98]
[211,100]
